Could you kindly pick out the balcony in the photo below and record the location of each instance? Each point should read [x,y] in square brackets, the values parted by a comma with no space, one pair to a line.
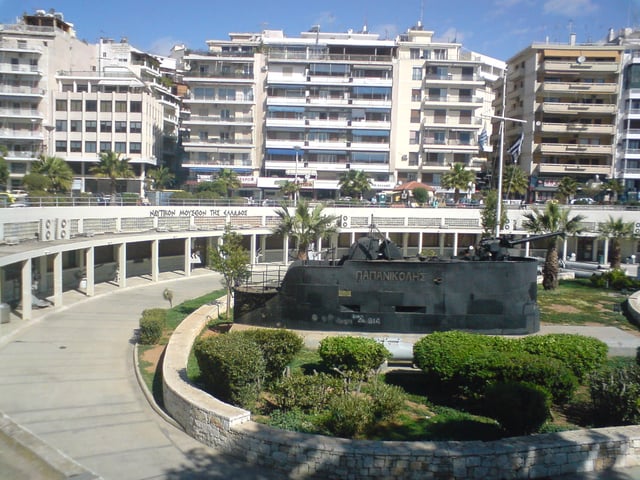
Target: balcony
[578,108]
[238,99]
[574,149]
[574,67]
[20,69]
[9,45]
[577,87]
[22,155]
[567,168]
[452,101]
[547,127]
[23,113]
[8,90]
[630,173]
[217,142]
[242,77]
[246,120]
[195,163]
[21,134]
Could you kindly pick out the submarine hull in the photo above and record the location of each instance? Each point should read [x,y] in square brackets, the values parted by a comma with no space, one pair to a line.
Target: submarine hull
[400,296]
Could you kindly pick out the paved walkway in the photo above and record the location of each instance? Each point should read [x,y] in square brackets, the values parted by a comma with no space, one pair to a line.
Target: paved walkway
[68,377]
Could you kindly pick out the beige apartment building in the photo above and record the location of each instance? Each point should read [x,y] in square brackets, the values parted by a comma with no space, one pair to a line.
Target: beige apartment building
[567,95]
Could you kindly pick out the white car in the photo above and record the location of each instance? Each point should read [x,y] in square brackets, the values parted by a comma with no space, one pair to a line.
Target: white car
[583,201]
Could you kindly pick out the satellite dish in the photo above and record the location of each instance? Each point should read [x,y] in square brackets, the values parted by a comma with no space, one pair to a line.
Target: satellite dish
[581,59]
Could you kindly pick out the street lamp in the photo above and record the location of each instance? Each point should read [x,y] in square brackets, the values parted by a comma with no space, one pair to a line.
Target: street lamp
[295,193]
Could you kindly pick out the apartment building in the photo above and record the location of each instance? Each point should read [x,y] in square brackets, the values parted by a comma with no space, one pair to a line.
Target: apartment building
[221,128]
[567,96]
[31,52]
[627,167]
[443,99]
[60,96]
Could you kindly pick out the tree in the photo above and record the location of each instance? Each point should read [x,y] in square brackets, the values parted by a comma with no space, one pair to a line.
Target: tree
[616,229]
[228,181]
[458,178]
[212,189]
[552,219]
[613,187]
[36,182]
[515,181]
[488,215]
[4,168]
[420,195]
[290,189]
[354,183]
[160,178]
[567,188]
[231,260]
[113,167]
[305,226]
[57,170]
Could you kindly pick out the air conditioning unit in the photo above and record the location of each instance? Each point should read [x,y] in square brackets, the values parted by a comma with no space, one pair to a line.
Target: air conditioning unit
[344,221]
[63,230]
[47,230]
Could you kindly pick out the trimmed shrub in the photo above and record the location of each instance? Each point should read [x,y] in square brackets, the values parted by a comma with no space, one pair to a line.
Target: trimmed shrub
[616,279]
[581,354]
[354,357]
[520,408]
[279,347]
[349,415]
[152,325]
[615,395]
[307,393]
[232,368]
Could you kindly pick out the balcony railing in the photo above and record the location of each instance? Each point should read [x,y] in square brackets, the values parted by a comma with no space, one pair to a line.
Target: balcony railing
[548,127]
[11,68]
[9,90]
[578,87]
[573,66]
[575,108]
[219,119]
[567,168]
[7,44]
[576,149]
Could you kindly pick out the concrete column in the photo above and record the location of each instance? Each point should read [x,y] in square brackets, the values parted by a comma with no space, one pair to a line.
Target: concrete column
[187,257]
[527,246]
[405,243]
[155,264]
[26,278]
[253,253]
[42,269]
[91,271]
[122,265]
[420,235]
[455,244]
[564,248]
[57,279]
[441,244]
[606,251]
[594,250]
[285,247]
[263,247]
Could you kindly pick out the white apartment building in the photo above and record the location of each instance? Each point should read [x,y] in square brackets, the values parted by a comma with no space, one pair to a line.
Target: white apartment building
[442,100]
[567,95]
[31,52]
[60,96]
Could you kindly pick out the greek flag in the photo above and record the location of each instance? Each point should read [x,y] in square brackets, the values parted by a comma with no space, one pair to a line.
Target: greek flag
[483,139]
[516,148]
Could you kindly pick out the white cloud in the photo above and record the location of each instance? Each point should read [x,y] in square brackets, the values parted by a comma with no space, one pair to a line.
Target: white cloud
[569,8]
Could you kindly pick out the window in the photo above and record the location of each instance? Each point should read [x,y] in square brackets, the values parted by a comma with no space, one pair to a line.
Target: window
[91,105]
[121,127]
[105,146]
[439,138]
[61,125]
[415,116]
[61,105]
[135,127]
[413,159]
[90,126]
[105,126]
[75,146]
[135,147]
[90,147]
[135,107]
[61,146]
[416,95]
[414,137]
[76,105]
[75,126]
[414,53]
[105,105]
[416,73]
[120,147]
[121,106]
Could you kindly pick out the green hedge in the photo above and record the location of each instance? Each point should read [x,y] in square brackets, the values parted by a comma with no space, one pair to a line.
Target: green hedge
[152,324]
[278,346]
[232,367]
[615,395]
[520,408]
[354,357]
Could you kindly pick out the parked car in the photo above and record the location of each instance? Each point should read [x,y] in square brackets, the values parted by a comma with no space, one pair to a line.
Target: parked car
[583,201]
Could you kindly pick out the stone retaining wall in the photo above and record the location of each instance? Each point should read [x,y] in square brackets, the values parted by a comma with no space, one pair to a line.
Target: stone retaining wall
[315,456]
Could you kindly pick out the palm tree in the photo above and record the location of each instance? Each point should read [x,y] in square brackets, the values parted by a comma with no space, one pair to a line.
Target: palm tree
[113,167]
[458,178]
[228,180]
[615,187]
[354,183]
[616,229]
[160,178]
[57,171]
[552,219]
[290,189]
[305,226]
[567,188]
[515,180]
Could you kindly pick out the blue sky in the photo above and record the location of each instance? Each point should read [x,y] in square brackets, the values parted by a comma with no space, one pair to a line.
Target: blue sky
[498,28]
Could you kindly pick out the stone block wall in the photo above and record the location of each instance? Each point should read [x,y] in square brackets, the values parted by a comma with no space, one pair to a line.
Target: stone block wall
[307,456]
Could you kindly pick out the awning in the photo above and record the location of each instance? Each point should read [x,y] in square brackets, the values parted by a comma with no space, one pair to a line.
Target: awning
[281,151]
[285,109]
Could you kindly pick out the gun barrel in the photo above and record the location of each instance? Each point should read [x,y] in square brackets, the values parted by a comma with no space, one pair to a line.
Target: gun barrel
[536,237]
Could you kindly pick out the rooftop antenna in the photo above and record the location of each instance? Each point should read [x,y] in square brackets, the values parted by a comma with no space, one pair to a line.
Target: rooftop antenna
[422,12]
